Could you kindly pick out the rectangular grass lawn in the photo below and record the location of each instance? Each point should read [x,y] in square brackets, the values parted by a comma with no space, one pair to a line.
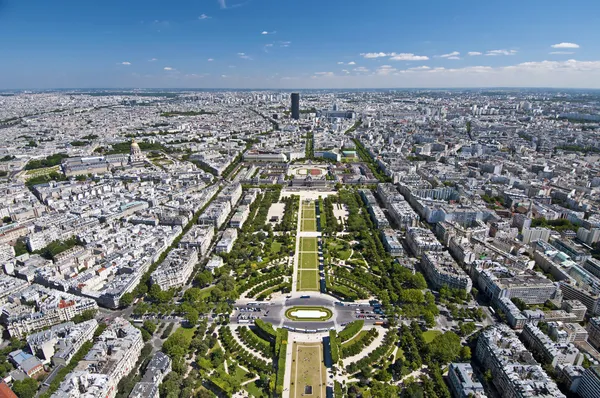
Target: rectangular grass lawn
[309,260]
[308,370]
[308,244]
[309,225]
[308,280]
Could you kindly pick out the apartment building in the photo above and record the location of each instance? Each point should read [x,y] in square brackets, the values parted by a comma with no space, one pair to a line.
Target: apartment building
[421,240]
[463,382]
[176,269]
[514,371]
[158,367]
[199,237]
[61,342]
[111,358]
[440,269]
[552,352]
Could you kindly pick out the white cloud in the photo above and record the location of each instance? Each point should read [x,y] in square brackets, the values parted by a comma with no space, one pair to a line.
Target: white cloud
[453,58]
[374,55]
[408,57]
[500,52]
[222,4]
[345,71]
[452,55]
[473,53]
[561,52]
[264,32]
[360,69]
[210,59]
[324,73]
[204,16]
[244,56]
[223,76]
[565,45]
[385,70]
[423,67]
[340,63]
[351,63]
[284,43]
[153,59]
[126,63]
[168,68]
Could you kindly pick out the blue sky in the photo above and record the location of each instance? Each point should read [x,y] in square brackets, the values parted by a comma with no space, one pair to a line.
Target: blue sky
[298,44]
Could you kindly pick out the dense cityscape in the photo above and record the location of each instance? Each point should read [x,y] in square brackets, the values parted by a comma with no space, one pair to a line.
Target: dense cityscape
[326,243]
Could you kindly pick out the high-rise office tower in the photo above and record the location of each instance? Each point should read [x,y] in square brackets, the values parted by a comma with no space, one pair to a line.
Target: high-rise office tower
[295,106]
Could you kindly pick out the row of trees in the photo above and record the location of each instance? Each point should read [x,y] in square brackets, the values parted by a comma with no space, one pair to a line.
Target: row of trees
[288,220]
[355,346]
[238,352]
[254,341]
[377,355]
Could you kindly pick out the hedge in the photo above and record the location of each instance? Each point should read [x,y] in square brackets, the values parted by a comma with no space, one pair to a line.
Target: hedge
[282,337]
[266,330]
[335,346]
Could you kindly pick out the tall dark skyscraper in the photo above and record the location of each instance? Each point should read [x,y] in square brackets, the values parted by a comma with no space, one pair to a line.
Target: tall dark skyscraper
[295,106]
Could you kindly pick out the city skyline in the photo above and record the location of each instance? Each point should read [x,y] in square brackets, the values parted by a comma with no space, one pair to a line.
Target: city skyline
[272,45]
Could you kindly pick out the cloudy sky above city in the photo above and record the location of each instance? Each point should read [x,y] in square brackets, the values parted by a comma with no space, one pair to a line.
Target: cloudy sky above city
[298,44]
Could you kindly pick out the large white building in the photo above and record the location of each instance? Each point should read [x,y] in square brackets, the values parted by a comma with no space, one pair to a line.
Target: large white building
[440,269]
[176,269]
[227,241]
[199,237]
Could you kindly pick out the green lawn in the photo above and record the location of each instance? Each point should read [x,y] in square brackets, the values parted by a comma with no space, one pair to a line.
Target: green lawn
[254,391]
[354,339]
[239,374]
[308,244]
[309,225]
[275,247]
[309,212]
[206,292]
[308,280]
[309,261]
[186,332]
[429,335]
[344,254]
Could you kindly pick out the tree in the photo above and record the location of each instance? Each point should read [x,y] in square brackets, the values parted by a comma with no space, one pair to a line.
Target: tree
[192,295]
[204,278]
[145,335]
[445,347]
[126,300]
[26,388]
[192,317]
[150,326]
[465,353]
